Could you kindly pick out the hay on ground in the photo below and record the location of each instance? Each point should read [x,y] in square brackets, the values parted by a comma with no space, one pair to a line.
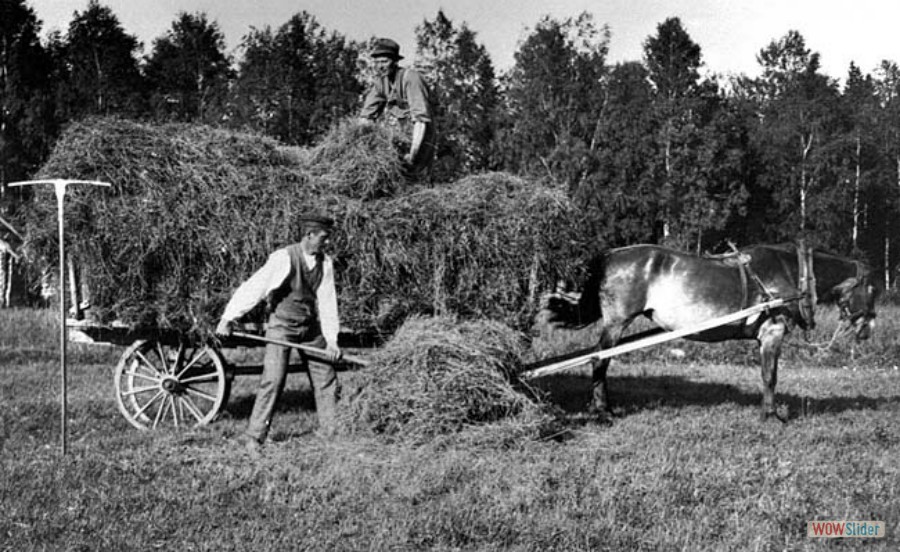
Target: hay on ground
[439,376]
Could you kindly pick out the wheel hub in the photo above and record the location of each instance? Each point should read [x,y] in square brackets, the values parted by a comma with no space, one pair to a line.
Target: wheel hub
[172,385]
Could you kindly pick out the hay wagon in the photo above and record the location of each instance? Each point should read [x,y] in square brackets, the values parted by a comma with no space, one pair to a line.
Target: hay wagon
[164,378]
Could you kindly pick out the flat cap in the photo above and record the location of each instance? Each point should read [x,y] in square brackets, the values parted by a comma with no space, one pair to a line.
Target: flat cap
[314,218]
[385,47]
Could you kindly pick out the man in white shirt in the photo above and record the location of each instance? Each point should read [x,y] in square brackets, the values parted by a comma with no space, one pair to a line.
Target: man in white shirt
[297,282]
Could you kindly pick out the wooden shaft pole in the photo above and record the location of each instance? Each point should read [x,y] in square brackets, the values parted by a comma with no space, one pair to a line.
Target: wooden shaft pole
[654,340]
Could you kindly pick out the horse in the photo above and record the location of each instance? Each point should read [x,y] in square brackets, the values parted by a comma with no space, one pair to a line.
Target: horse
[676,290]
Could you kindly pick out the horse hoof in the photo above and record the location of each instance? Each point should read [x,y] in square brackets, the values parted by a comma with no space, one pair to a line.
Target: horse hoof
[603,416]
[766,416]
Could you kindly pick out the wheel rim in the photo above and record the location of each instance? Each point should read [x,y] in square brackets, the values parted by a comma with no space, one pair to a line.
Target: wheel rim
[159,385]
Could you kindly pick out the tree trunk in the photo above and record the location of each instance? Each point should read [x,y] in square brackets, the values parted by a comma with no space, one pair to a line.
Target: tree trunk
[804,185]
[4,292]
[856,187]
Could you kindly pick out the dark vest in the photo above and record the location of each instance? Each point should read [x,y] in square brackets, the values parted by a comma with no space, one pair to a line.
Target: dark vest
[293,305]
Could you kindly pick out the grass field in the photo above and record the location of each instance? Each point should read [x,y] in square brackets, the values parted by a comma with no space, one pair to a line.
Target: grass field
[686,465]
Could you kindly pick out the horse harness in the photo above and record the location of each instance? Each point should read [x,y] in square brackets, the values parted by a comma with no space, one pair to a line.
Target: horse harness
[806,284]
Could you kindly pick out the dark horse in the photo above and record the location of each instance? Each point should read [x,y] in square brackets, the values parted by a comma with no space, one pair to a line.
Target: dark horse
[677,290]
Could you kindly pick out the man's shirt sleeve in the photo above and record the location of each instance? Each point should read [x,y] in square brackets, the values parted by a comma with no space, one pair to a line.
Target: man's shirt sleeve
[326,297]
[258,286]
[418,97]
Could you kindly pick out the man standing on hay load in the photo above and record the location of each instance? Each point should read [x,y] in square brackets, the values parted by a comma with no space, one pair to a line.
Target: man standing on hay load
[402,97]
[297,282]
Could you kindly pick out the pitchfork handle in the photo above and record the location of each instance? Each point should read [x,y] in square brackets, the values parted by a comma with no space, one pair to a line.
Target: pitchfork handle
[316,352]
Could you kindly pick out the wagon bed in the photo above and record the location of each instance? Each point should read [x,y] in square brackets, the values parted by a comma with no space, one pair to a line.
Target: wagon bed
[163,378]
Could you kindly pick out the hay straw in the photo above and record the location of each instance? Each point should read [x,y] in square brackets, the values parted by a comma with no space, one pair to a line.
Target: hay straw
[195,210]
[439,376]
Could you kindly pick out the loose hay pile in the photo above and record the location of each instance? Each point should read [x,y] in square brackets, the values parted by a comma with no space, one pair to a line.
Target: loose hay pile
[195,210]
[438,376]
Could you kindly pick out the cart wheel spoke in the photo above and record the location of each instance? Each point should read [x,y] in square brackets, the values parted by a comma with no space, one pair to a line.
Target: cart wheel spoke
[203,353]
[200,394]
[159,412]
[139,375]
[174,403]
[140,355]
[159,385]
[143,409]
[138,390]
[189,406]
[161,353]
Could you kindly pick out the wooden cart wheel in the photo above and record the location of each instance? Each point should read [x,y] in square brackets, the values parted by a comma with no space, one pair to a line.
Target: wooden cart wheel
[157,384]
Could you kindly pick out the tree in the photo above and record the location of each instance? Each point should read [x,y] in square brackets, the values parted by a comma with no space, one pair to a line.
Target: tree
[188,71]
[296,83]
[673,60]
[798,114]
[699,164]
[27,126]
[466,94]
[886,177]
[860,111]
[99,69]
[619,192]
[555,94]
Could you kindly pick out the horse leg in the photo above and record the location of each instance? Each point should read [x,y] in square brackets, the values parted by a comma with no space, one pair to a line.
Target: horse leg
[771,335]
[600,396]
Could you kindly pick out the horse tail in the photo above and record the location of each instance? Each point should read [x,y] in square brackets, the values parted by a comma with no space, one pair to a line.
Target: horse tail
[564,311]
[589,310]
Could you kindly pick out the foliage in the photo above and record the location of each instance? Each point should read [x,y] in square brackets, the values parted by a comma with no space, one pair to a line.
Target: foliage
[188,70]
[27,122]
[554,95]
[294,84]
[619,193]
[99,72]
[798,108]
[466,94]
[673,60]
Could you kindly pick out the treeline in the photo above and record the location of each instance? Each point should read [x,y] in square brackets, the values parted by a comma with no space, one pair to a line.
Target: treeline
[652,150]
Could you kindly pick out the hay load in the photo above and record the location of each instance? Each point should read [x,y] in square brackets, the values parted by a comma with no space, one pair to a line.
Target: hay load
[438,376]
[358,160]
[195,210]
[480,247]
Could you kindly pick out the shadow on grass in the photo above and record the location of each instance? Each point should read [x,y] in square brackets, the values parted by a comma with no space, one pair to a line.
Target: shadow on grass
[291,400]
[632,394]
